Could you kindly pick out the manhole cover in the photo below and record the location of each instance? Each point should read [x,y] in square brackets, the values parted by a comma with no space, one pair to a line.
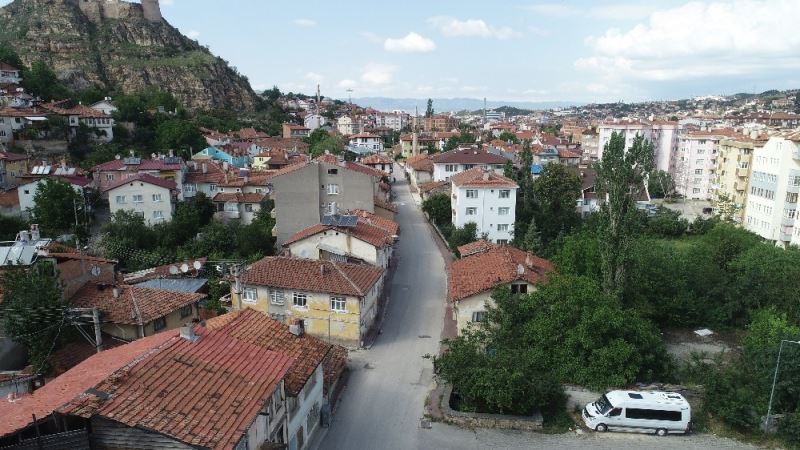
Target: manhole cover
[424,336]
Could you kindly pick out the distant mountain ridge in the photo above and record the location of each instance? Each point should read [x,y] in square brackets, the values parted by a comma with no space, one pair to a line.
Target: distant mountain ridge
[121,46]
[452,104]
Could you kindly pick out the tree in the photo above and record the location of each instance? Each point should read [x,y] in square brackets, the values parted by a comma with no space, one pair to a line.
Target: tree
[507,136]
[10,226]
[533,239]
[554,194]
[320,141]
[727,210]
[438,208]
[620,178]
[429,110]
[178,134]
[463,236]
[465,137]
[508,170]
[58,208]
[9,56]
[661,185]
[42,81]
[34,314]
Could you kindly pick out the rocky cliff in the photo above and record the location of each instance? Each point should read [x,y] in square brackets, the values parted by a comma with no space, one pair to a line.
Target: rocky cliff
[121,50]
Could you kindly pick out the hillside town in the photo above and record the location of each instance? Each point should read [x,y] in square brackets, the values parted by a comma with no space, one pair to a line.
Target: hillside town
[316,273]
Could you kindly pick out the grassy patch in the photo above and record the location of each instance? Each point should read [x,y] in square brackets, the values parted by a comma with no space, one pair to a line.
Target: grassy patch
[191,59]
[557,423]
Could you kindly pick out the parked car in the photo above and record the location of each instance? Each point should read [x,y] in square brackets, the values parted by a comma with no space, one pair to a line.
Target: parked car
[661,413]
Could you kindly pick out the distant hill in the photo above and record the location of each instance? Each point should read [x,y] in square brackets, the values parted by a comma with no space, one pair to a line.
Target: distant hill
[121,46]
[451,104]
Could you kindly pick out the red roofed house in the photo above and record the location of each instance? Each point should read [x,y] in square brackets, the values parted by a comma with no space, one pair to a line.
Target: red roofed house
[379,162]
[147,196]
[337,302]
[206,390]
[112,172]
[9,74]
[366,143]
[419,169]
[295,131]
[237,205]
[447,164]
[312,380]
[100,123]
[12,168]
[471,280]
[353,240]
[487,199]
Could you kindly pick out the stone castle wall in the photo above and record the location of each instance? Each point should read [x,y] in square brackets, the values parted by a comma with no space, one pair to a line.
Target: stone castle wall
[97,10]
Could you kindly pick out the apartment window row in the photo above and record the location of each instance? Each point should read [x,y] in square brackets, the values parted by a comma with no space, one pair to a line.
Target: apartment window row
[766,160]
[760,208]
[761,192]
[791,197]
[765,177]
[789,213]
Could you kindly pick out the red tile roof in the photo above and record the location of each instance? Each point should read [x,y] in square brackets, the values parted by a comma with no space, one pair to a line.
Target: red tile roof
[468,156]
[133,303]
[383,204]
[567,154]
[313,276]
[259,329]
[373,235]
[8,156]
[289,169]
[433,185]
[164,271]
[474,248]
[499,266]
[17,416]
[144,164]
[349,165]
[7,67]
[74,353]
[205,393]
[478,177]
[144,178]
[82,111]
[392,227]
[420,163]
[238,197]
[376,159]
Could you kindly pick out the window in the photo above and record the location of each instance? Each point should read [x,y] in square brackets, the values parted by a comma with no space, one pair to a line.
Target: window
[698,171]
[505,193]
[472,193]
[333,171]
[158,214]
[249,295]
[696,191]
[652,414]
[519,288]
[276,297]
[502,227]
[791,197]
[109,177]
[333,189]
[212,187]
[120,199]
[156,197]
[472,211]
[300,300]
[503,211]
[338,304]
[449,168]
[138,198]
[160,324]
[502,242]
[139,214]
[186,311]
[479,316]
[248,207]
[27,192]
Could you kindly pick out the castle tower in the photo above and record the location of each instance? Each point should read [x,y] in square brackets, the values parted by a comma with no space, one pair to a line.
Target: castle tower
[152,10]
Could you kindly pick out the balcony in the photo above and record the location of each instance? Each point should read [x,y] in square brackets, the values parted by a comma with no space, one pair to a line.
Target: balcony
[742,172]
[786,234]
[787,222]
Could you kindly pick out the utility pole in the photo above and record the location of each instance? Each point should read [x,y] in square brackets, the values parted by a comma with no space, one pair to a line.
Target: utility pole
[98,336]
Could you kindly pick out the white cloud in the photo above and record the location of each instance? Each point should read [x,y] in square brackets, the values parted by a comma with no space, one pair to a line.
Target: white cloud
[378,74]
[167,2]
[346,84]
[314,77]
[411,43]
[452,27]
[193,34]
[304,22]
[701,39]
[614,11]
[553,9]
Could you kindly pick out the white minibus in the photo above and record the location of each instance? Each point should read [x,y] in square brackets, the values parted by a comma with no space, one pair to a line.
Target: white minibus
[641,412]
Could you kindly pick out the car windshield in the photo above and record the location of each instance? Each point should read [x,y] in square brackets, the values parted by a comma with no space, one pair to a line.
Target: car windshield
[603,405]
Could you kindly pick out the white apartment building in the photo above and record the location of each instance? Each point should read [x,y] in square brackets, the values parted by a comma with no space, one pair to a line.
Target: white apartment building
[347,126]
[395,121]
[366,143]
[663,135]
[446,165]
[771,209]
[147,196]
[694,165]
[487,199]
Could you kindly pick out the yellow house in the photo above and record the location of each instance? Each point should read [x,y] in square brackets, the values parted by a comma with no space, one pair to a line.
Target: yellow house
[337,302]
[734,167]
[471,280]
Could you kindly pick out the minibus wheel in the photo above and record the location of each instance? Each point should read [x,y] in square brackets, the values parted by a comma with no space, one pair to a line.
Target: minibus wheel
[661,432]
[601,428]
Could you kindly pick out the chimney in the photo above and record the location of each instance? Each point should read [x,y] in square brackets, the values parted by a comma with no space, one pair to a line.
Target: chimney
[205,167]
[486,176]
[115,292]
[322,269]
[297,327]
[187,332]
[529,260]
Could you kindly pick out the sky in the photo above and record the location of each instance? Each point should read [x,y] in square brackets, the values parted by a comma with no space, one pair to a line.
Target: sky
[584,51]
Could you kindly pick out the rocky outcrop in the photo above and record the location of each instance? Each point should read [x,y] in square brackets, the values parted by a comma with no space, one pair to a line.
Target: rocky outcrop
[128,53]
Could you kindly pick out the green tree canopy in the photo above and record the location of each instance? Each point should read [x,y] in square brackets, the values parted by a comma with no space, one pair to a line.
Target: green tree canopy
[507,136]
[429,110]
[42,81]
[57,206]
[438,208]
[661,185]
[556,192]
[462,236]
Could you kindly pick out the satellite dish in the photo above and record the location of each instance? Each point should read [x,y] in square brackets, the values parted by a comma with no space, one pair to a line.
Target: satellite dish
[197,265]
[184,267]
[173,270]
[96,271]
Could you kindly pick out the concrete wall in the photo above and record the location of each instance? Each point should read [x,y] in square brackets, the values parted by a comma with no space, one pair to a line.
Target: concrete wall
[488,218]
[121,198]
[131,332]
[310,397]
[297,201]
[309,247]
[463,309]
[440,172]
[27,192]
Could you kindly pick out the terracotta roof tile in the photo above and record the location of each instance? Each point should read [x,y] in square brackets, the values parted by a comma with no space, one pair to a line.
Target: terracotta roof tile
[383,204]
[478,177]
[313,276]
[420,163]
[259,329]
[144,164]
[144,178]
[238,197]
[376,159]
[468,156]
[150,303]
[349,165]
[373,235]
[8,156]
[495,267]
[164,271]
[204,393]
[433,185]
[474,248]
[392,227]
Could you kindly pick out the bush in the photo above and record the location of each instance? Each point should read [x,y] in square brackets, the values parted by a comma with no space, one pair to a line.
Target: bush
[789,429]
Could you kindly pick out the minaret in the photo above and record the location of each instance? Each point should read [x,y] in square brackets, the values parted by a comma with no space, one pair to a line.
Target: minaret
[152,10]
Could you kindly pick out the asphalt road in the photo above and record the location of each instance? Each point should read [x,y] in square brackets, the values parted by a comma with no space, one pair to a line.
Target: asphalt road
[383,403]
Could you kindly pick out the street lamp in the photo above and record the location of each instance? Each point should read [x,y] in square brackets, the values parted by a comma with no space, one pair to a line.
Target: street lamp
[775,380]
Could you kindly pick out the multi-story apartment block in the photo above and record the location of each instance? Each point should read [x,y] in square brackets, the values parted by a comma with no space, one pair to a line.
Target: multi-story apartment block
[771,209]
[396,121]
[663,135]
[694,165]
[733,171]
[487,199]
[446,165]
[440,122]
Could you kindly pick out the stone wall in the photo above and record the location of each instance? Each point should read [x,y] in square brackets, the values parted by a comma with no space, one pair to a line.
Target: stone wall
[479,420]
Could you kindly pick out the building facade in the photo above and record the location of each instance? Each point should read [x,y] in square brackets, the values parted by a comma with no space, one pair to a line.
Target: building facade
[146,196]
[488,200]
[734,165]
